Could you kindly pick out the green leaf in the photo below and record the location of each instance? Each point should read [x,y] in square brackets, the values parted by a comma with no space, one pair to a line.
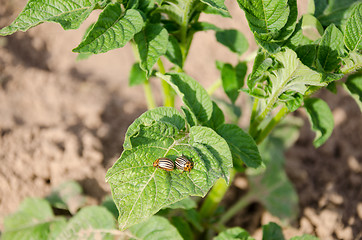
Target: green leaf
[112,30]
[152,43]
[174,53]
[307,54]
[33,220]
[217,117]
[82,56]
[69,14]
[109,204]
[242,145]
[67,195]
[289,27]
[193,95]
[157,228]
[233,39]
[89,223]
[354,87]
[321,119]
[140,190]
[233,79]
[167,115]
[186,203]
[137,75]
[235,233]
[266,17]
[329,49]
[193,217]
[312,28]
[353,31]
[261,64]
[294,76]
[353,62]
[183,227]
[272,231]
[211,10]
[333,11]
[272,188]
[204,26]
[216,4]
[304,237]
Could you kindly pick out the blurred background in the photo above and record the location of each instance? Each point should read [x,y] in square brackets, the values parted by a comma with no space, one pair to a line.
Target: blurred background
[63,119]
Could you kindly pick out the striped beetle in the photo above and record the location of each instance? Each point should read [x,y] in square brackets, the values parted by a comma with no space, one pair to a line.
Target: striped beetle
[164,163]
[184,164]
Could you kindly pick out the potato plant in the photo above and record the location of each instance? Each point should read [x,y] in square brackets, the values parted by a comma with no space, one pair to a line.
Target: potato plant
[296,57]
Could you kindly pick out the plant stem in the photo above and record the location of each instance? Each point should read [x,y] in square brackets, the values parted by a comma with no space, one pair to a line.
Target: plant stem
[214,197]
[149,95]
[253,130]
[243,202]
[214,87]
[274,121]
[151,103]
[168,95]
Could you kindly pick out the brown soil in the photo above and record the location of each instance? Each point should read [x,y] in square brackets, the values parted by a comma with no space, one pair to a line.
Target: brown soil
[61,119]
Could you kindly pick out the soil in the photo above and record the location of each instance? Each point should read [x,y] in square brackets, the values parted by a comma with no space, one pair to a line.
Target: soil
[64,119]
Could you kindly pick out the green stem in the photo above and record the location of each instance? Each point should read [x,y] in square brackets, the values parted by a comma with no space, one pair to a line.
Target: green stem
[149,95]
[214,87]
[243,202]
[214,197]
[168,95]
[273,122]
[253,130]
[151,103]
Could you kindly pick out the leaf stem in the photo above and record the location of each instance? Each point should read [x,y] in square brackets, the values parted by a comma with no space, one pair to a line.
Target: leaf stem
[272,123]
[151,103]
[253,130]
[214,87]
[215,196]
[243,202]
[168,95]
[149,95]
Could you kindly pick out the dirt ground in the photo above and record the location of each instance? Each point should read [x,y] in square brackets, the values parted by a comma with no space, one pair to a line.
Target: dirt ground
[64,119]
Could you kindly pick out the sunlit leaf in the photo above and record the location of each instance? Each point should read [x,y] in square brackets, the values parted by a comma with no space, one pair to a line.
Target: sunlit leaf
[113,29]
[70,14]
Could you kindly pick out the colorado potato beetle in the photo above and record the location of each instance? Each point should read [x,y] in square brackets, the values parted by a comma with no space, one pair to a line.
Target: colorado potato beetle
[184,164]
[164,163]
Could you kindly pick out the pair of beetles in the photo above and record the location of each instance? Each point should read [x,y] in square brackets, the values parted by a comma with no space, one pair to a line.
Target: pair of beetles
[167,164]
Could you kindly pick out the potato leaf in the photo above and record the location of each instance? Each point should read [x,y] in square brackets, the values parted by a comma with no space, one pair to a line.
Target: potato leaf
[235,233]
[216,4]
[155,228]
[140,190]
[354,86]
[329,49]
[89,223]
[69,14]
[137,75]
[321,119]
[67,195]
[353,31]
[113,29]
[233,39]
[193,95]
[152,43]
[294,76]
[272,231]
[33,220]
[242,145]
[266,17]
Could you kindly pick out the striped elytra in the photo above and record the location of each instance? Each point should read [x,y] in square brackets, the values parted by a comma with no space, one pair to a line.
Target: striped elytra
[164,163]
[184,164]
